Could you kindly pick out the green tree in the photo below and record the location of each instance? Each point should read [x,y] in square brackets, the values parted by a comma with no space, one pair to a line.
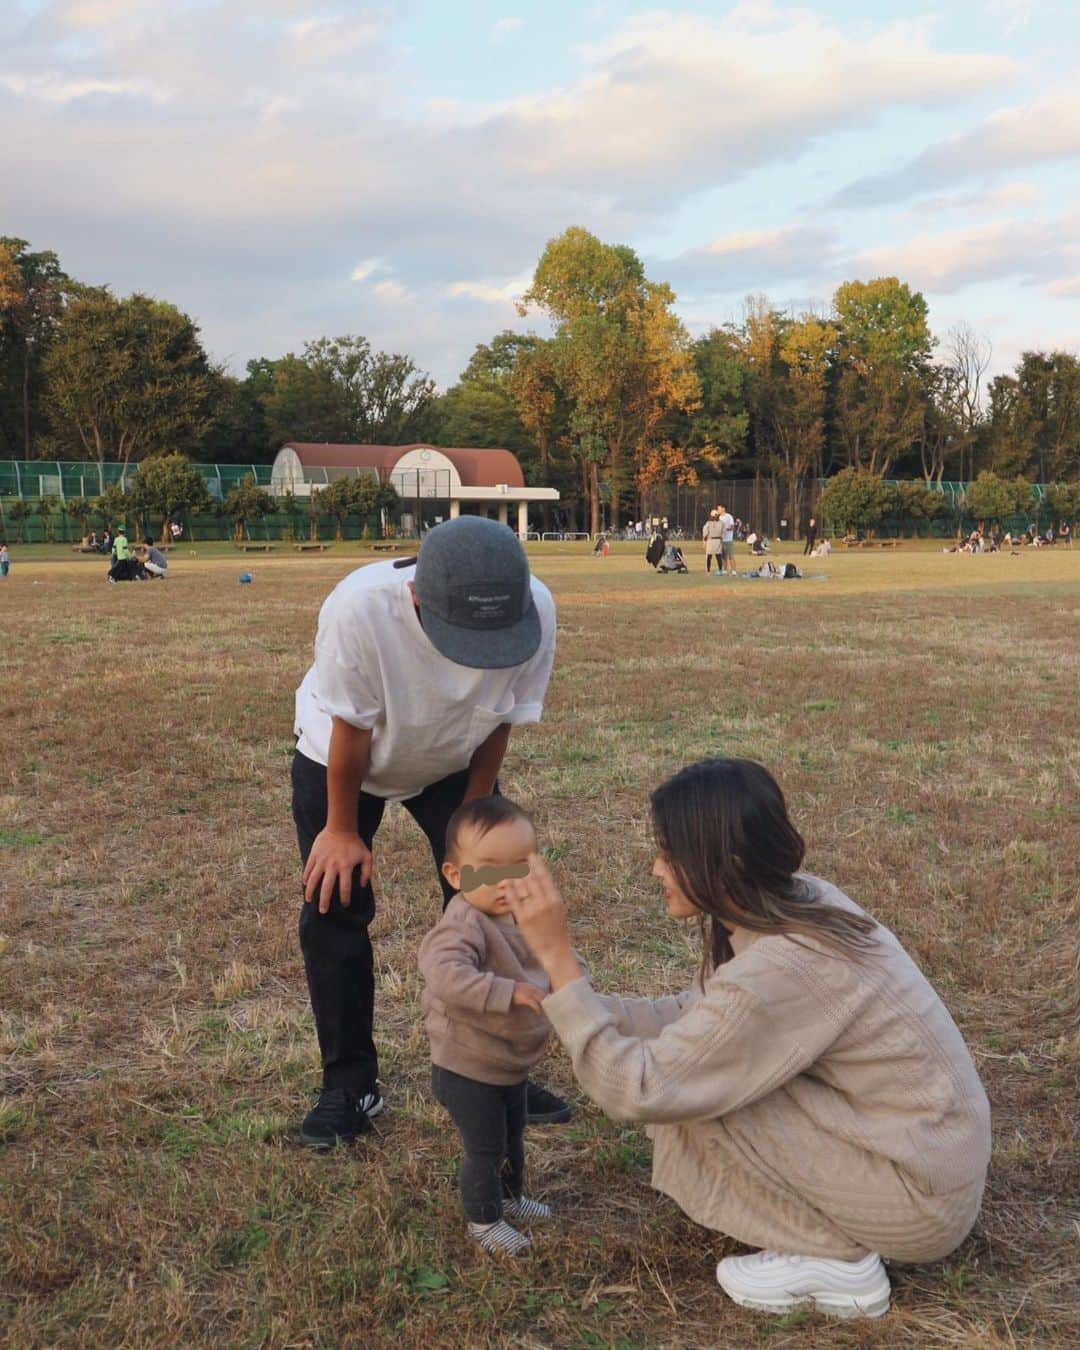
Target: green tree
[883,346]
[715,432]
[33,288]
[126,377]
[116,504]
[856,499]
[167,488]
[620,356]
[1035,417]
[915,503]
[18,513]
[991,498]
[238,432]
[80,509]
[247,502]
[1061,501]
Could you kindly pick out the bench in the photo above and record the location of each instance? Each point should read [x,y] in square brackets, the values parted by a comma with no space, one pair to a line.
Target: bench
[255,548]
[384,548]
[891,543]
[85,548]
[311,548]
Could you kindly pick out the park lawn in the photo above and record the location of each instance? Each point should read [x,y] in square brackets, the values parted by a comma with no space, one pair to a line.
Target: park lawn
[156,1047]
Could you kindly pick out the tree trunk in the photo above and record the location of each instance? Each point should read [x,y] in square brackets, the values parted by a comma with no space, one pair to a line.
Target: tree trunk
[594,497]
[26,399]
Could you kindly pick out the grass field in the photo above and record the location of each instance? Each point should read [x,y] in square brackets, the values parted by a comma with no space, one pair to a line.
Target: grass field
[156,1047]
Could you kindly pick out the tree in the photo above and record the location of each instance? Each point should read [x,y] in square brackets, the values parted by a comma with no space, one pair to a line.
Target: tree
[238,431]
[246,502]
[169,488]
[916,502]
[33,287]
[619,354]
[80,509]
[883,346]
[1061,501]
[856,499]
[18,513]
[1035,417]
[45,508]
[992,498]
[126,377]
[799,409]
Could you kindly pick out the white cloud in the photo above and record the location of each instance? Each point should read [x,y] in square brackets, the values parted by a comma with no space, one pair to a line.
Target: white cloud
[504,27]
[391,292]
[1043,131]
[1066,288]
[752,259]
[362,271]
[488,292]
[1017,13]
[1005,198]
[1026,251]
[245,164]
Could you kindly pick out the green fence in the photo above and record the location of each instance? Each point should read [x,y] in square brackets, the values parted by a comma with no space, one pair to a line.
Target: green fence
[31,479]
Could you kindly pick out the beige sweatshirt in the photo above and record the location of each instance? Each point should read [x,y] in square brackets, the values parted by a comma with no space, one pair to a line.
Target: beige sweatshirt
[861,1050]
[470,962]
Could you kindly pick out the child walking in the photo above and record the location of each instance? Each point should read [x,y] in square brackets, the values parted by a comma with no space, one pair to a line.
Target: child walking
[482,1003]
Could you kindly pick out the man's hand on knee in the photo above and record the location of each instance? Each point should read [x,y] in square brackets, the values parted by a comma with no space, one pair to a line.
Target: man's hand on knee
[334,856]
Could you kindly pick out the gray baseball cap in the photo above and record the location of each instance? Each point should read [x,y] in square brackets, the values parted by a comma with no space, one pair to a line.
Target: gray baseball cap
[476,605]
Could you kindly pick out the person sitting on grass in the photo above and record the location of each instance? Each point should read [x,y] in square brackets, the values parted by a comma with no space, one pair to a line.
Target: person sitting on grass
[810,1095]
[482,1000]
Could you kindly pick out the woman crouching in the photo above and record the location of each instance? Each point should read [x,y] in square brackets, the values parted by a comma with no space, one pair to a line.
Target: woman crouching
[810,1096]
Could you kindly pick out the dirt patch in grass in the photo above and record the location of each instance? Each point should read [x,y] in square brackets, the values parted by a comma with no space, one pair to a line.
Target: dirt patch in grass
[157,1049]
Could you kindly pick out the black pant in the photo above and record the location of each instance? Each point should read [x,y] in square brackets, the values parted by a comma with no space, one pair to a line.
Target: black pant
[810,540]
[491,1121]
[708,562]
[337,951]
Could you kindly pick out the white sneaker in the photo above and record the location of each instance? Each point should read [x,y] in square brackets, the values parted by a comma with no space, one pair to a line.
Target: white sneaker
[776,1282]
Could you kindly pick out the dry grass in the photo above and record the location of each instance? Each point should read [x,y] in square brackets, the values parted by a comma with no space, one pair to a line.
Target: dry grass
[156,1047]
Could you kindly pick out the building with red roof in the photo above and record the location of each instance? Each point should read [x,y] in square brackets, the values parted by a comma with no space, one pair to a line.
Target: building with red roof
[434,482]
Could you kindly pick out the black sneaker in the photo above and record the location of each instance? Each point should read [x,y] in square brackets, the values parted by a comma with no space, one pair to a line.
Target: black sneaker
[544,1108]
[338,1117]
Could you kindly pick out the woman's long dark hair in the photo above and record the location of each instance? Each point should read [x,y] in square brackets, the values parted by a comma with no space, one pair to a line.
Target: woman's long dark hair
[723,828]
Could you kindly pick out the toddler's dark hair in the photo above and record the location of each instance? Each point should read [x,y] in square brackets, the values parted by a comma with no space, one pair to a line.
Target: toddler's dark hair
[482,814]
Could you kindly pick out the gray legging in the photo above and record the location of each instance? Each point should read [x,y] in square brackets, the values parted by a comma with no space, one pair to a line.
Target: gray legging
[490,1118]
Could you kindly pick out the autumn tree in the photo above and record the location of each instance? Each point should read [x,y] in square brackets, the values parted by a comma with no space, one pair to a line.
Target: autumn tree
[127,377]
[799,407]
[619,355]
[883,345]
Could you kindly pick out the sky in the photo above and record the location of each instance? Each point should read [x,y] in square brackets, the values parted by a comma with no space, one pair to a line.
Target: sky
[283,170]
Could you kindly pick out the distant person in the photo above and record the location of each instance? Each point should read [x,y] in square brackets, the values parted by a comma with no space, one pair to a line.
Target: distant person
[811,537]
[5,560]
[106,541]
[1065,534]
[727,540]
[92,541]
[176,529]
[655,550]
[155,562]
[122,568]
[712,536]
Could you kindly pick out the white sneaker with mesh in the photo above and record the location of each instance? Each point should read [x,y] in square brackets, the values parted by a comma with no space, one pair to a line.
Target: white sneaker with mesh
[777,1282]
[498,1237]
[522,1208]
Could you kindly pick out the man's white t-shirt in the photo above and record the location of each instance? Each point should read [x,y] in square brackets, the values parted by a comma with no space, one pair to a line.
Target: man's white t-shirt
[727,525]
[376,667]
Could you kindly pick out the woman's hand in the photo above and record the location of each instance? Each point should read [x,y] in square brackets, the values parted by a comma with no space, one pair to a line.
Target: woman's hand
[540,913]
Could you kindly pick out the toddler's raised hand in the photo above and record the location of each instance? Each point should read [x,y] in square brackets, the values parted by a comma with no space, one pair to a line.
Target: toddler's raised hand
[527,996]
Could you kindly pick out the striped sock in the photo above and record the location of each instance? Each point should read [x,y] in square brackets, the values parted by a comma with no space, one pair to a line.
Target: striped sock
[498,1237]
[521,1207]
